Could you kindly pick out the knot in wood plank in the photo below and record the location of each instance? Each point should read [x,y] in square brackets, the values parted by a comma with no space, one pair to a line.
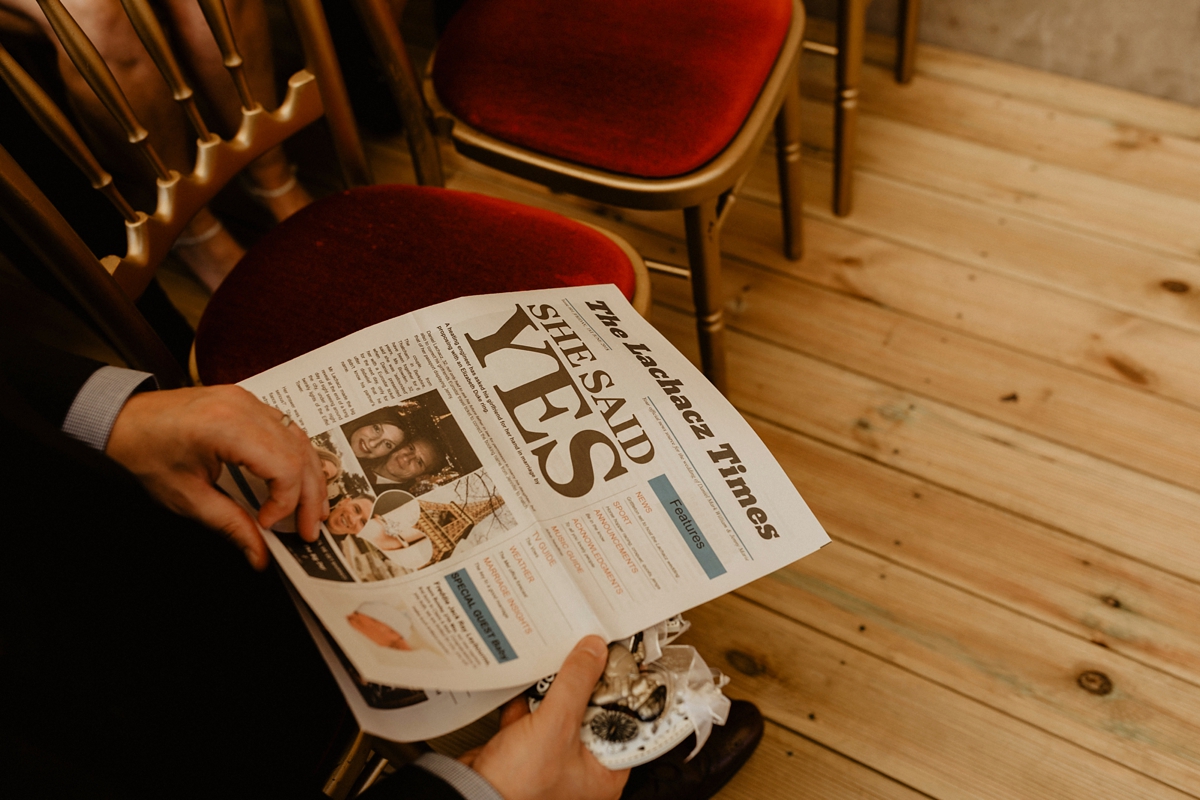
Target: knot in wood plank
[744,663]
[1095,682]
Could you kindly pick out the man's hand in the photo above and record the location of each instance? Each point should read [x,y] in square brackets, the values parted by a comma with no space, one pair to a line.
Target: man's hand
[540,756]
[175,442]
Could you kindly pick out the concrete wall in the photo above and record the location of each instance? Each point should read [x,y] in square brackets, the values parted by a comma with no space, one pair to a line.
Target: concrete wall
[1152,46]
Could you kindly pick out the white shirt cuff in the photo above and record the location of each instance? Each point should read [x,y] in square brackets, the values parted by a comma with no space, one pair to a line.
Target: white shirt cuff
[91,416]
[466,781]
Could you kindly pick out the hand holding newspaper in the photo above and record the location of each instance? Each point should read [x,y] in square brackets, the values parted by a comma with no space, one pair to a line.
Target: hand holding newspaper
[507,474]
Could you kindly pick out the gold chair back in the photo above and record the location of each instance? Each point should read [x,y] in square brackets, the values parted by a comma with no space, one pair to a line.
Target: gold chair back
[107,287]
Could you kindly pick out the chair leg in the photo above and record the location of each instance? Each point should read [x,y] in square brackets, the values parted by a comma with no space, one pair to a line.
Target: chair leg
[852,23]
[791,172]
[379,21]
[909,16]
[704,258]
[349,767]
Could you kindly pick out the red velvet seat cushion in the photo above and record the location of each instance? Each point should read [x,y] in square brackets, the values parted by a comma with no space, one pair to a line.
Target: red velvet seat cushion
[370,254]
[651,88]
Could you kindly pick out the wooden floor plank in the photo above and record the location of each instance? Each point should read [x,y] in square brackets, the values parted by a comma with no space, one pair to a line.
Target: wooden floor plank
[1111,421]
[1094,594]
[1082,97]
[1060,579]
[1017,183]
[1154,159]
[1107,420]
[1130,513]
[1006,181]
[918,732]
[789,766]
[1050,325]
[1121,276]
[1070,584]
[391,162]
[1099,314]
[1144,719]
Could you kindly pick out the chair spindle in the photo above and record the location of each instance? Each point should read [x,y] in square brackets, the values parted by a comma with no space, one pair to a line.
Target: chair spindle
[788,154]
[321,60]
[218,22]
[150,31]
[381,28]
[851,28]
[91,66]
[55,124]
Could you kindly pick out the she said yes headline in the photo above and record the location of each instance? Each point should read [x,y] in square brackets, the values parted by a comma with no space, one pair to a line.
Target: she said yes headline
[540,332]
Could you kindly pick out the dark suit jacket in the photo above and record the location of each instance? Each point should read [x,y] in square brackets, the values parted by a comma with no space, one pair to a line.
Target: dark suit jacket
[139,654]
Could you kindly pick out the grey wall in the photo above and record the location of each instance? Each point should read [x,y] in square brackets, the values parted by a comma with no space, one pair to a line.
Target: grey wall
[1151,46]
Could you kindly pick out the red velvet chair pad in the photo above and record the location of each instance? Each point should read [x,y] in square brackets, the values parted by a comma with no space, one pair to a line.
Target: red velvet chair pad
[366,255]
[650,88]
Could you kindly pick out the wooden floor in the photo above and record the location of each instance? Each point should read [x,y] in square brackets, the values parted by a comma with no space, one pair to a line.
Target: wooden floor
[986,383]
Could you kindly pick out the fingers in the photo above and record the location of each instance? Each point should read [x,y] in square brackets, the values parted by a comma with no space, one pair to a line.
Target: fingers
[285,496]
[220,513]
[175,441]
[314,499]
[283,466]
[281,455]
[311,498]
[567,699]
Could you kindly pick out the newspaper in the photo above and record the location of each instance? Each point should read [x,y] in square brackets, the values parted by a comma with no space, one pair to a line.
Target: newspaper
[508,473]
[398,714]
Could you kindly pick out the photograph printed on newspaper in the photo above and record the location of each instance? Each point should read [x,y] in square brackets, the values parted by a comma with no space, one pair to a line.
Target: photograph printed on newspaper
[508,473]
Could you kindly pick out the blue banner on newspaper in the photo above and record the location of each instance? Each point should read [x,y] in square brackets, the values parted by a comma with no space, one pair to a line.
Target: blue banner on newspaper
[685,523]
[468,597]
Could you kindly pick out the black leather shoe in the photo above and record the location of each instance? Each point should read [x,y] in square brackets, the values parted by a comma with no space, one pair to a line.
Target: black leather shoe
[727,749]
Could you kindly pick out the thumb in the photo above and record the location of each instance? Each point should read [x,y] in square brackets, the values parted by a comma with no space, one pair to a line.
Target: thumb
[568,696]
[220,513]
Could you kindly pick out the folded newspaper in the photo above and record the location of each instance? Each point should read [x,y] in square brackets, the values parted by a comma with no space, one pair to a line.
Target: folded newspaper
[507,474]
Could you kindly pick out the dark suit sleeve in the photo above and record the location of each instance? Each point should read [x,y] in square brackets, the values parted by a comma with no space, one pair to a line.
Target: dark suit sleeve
[45,378]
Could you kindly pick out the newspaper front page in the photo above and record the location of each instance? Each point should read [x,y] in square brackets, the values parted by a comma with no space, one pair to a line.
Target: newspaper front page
[508,473]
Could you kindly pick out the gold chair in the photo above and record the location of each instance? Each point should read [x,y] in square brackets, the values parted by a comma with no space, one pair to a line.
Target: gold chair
[656,106]
[848,53]
[263,314]
[363,762]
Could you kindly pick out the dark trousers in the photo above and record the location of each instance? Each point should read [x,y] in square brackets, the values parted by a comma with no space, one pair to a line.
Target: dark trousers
[139,654]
